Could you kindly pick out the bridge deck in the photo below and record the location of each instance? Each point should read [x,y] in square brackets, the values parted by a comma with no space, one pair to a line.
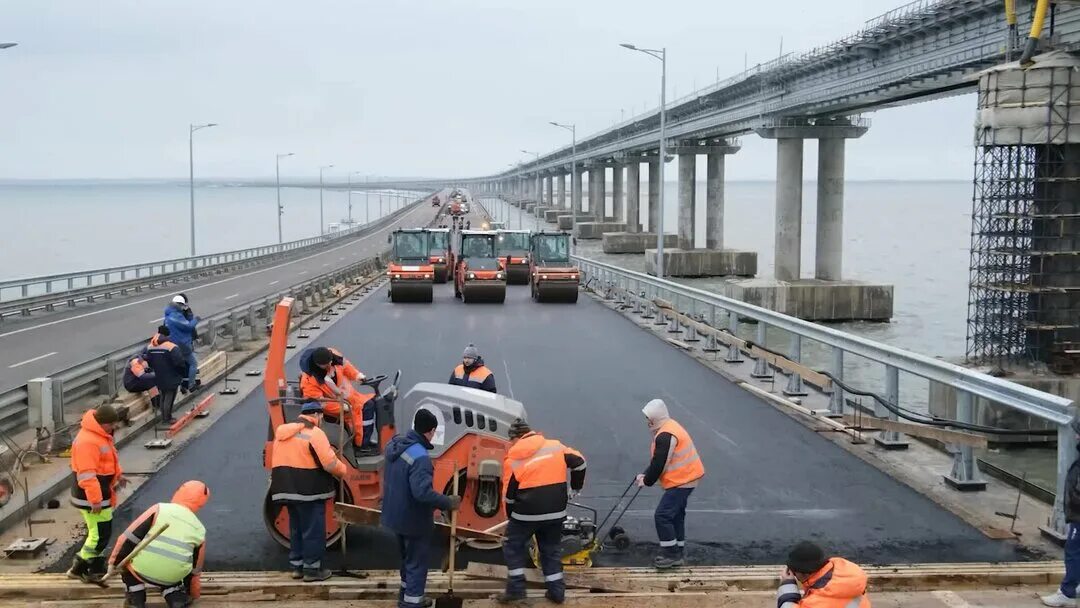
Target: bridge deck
[584,374]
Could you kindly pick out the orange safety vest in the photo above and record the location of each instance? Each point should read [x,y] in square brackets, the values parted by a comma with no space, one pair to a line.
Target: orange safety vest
[539,466]
[684,465]
[302,463]
[839,584]
[475,377]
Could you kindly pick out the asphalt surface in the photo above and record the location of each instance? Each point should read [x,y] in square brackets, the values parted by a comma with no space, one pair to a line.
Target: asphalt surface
[583,373]
[44,344]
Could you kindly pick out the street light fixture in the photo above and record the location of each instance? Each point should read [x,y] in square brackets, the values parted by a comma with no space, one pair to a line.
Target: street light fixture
[277,179]
[191,168]
[573,181]
[322,223]
[351,173]
[8,45]
[661,55]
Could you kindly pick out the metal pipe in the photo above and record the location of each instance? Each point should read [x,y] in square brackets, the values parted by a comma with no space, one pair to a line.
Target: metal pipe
[322,221]
[277,181]
[191,174]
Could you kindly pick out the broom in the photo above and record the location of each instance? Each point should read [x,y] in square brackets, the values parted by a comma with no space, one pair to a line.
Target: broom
[448,599]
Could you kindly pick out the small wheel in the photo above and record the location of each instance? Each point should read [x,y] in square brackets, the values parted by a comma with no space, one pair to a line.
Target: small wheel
[620,541]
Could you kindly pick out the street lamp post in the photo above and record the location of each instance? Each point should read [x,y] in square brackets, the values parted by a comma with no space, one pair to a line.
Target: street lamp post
[191,170]
[352,173]
[573,182]
[322,221]
[277,180]
[367,201]
[660,54]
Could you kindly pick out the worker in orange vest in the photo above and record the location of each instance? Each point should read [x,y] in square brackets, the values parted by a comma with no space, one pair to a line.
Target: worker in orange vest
[825,583]
[303,466]
[676,465]
[96,478]
[326,374]
[472,372]
[534,474]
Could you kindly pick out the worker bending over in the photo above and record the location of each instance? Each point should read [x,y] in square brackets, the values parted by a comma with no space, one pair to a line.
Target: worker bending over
[825,583]
[302,471]
[173,561]
[409,502]
[96,478]
[472,372]
[535,471]
[676,465]
[326,374]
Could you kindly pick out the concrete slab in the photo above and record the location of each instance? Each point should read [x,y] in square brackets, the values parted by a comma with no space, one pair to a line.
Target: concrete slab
[704,262]
[815,300]
[564,221]
[551,215]
[539,210]
[634,242]
[596,230]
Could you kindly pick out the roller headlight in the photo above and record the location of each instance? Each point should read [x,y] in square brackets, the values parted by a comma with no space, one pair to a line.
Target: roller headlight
[498,275]
[471,275]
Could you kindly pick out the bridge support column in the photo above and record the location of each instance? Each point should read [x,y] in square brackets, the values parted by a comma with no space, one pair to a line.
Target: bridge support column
[788,235]
[687,199]
[549,192]
[714,202]
[654,195]
[617,192]
[560,191]
[575,191]
[830,209]
[538,186]
[633,197]
[596,191]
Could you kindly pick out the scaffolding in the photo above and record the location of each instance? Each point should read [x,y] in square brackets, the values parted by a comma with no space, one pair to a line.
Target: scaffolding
[1024,289]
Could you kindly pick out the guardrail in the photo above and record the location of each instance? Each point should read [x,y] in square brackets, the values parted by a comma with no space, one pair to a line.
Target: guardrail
[80,284]
[725,314]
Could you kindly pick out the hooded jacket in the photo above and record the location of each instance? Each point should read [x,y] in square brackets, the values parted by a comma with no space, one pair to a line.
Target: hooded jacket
[665,444]
[191,496]
[476,376]
[409,500]
[303,464]
[181,328]
[838,584]
[95,464]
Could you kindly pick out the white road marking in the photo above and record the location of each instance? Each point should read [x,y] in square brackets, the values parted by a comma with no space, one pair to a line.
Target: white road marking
[38,358]
[302,272]
[235,295]
[509,384]
[189,289]
[949,598]
[273,282]
[326,264]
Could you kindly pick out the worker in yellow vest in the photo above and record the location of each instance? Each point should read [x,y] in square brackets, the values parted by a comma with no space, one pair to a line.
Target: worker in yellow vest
[173,561]
[676,465]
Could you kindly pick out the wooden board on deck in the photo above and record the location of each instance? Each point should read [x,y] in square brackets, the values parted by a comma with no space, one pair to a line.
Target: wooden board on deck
[573,579]
[918,430]
[355,514]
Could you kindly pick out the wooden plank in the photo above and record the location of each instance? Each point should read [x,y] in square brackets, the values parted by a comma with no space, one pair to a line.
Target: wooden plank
[573,579]
[918,430]
[355,514]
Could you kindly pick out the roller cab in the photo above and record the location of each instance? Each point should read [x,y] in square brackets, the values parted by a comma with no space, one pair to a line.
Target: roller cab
[410,270]
[478,276]
[552,275]
[513,250]
[439,254]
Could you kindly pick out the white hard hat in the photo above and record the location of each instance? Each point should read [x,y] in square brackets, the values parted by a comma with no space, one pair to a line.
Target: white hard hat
[179,300]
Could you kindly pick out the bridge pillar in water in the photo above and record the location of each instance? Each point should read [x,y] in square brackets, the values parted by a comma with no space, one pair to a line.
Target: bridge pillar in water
[687,188]
[654,194]
[549,192]
[538,186]
[633,196]
[616,192]
[560,191]
[597,194]
[575,190]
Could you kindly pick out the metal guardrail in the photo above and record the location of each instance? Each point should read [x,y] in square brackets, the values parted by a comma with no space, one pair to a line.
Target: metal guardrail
[967,384]
[79,284]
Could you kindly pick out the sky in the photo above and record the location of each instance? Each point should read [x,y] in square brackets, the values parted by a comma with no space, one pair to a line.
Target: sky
[439,88]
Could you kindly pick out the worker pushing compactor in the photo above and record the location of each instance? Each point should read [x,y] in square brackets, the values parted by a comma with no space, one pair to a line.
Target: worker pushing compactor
[326,374]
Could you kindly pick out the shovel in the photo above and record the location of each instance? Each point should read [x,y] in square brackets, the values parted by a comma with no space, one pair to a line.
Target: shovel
[113,570]
[448,599]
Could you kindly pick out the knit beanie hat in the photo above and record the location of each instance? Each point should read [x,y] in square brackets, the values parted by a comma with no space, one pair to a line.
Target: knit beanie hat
[806,558]
[471,352]
[424,421]
[106,414]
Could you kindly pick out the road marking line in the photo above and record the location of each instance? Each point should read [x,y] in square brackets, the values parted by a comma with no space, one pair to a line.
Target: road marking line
[158,321]
[189,289]
[326,264]
[302,272]
[39,358]
[949,598]
[273,282]
[235,295]
[509,384]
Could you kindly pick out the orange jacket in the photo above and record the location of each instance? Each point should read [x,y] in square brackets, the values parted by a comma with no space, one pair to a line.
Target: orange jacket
[838,584]
[302,463]
[535,473]
[314,387]
[95,464]
[682,466]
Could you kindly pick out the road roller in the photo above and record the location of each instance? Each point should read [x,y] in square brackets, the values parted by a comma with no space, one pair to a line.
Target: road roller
[478,276]
[552,276]
[410,270]
[513,250]
[439,253]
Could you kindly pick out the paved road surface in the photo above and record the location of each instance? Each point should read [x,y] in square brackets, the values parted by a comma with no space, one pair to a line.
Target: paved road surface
[44,344]
[584,373]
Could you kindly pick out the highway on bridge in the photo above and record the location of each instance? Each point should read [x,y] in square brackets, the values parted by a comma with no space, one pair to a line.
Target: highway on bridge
[583,373]
[46,343]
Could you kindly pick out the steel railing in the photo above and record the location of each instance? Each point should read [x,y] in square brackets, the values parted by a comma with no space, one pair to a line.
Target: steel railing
[969,385]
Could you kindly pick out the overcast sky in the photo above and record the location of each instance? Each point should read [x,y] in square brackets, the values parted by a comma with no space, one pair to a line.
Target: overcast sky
[426,87]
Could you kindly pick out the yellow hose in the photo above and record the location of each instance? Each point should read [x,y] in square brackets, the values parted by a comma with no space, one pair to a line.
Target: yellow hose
[1010,12]
[1036,31]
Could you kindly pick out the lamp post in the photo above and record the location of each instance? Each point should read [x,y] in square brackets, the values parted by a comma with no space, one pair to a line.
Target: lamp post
[573,182]
[322,222]
[191,167]
[277,180]
[352,173]
[661,55]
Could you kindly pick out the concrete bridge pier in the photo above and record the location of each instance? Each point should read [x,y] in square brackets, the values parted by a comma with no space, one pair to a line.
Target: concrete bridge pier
[575,190]
[616,193]
[608,224]
[686,260]
[560,191]
[633,240]
[633,196]
[549,192]
[538,189]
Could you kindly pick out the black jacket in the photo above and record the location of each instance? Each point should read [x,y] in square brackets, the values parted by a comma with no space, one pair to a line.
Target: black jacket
[1072,493]
[167,361]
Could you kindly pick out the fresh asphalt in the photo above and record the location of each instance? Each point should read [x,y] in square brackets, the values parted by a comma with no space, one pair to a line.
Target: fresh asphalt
[45,344]
[584,373]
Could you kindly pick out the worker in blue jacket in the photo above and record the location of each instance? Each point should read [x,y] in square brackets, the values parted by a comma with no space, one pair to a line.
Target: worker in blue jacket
[409,502]
[182,324]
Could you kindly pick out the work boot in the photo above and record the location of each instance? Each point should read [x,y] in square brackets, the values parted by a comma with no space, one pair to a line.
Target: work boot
[557,597]
[178,599]
[1058,599]
[508,598]
[314,575]
[97,570]
[667,561]
[135,599]
[78,570]
[297,573]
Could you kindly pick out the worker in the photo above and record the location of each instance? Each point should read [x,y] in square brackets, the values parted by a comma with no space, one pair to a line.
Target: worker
[173,561]
[140,378]
[167,361]
[303,468]
[183,328]
[408,504]
[825,583]
[1067,591]
[326,374]
[97,477]
[676,465]
[472,372]
[535,472]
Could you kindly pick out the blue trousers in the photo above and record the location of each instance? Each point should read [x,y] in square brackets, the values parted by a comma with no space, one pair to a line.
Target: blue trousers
[368,415]
[516,553]
[670,519]
[1072,561]
[307,534]
[414,567]
[188,350]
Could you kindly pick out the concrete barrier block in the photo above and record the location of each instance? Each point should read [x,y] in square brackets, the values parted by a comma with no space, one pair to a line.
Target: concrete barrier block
[596,230]
[634,242]
[564,221]
[704,262]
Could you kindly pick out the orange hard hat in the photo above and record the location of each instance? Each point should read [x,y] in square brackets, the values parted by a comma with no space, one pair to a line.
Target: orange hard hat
[192,494]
